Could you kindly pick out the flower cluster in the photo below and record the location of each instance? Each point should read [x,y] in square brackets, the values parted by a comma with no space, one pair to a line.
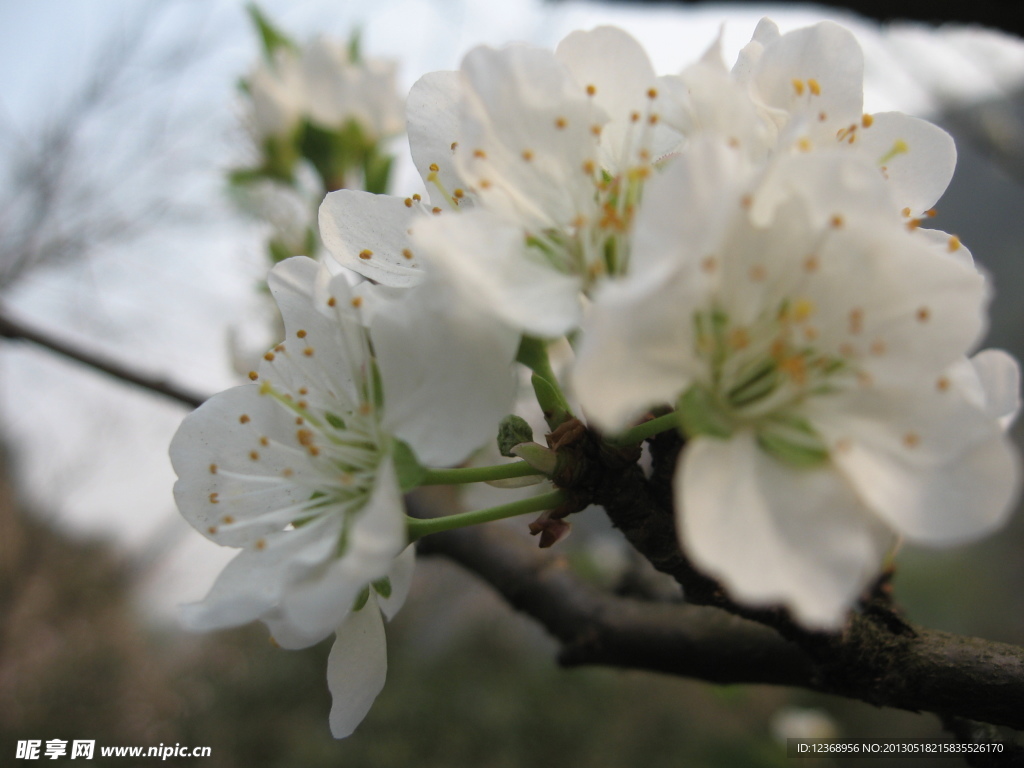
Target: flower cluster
[736,255]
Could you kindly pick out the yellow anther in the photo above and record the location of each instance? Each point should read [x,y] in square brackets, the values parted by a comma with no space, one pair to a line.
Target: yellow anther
[243,419]
[458,194]
[822,117]
[911,439]
[815,86]
[560,123]
[269,357]
[303,391]
[332,302]
[795,367]
[805,144]
[435,211]
[299,420]
[931,213]
[455,145]
[856,320]
[407,253]
[942,384]
[213,469]
[408,202]
[653,118]
[366,253]
[261,544]
[214,498]
[357,301]
[485,184]
[433,167]
[211,530]
[652,93]
[480,154]
[287,472]
[802,309]
[634,117]
[811,264]
[308,351]
[365,409]
[254,455]
[923,314]
[304,436]
[417,198]
[867,120]
[739,338]
[798,86]
[913,224]
[313,450]
[595,130]
[591,90]
[906,213]
[253,375]
[837,222]
[527,155]
[301,334]
[589,167]
[264,441]
[954,243]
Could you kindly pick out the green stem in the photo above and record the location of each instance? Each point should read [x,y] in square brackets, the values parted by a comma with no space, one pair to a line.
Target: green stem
[478,474]
[418,528]
[648,429]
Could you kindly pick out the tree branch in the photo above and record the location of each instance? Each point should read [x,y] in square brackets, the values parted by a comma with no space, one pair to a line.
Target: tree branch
[991,13]
[12,329]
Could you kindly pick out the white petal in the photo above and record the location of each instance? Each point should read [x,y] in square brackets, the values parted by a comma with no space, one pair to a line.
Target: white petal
[369,234]
[929,462]
[356,668]
[773,533]
[447,372]
[825,53]
[257,579]
[999,374]
[636,351]
[400,577]
[486,261]
[920,170]
[435,136]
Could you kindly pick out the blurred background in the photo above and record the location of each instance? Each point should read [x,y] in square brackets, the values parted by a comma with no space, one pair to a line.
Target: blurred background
[119,121]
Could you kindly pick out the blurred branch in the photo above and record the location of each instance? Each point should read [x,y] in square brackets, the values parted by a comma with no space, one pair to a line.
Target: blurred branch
[991,13]
[878,658]
[12,329]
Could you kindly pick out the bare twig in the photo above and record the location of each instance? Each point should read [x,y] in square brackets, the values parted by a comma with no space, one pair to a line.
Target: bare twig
[12,329]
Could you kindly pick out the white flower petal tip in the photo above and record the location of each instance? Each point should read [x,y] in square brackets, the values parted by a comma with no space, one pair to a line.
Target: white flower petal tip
[356,668]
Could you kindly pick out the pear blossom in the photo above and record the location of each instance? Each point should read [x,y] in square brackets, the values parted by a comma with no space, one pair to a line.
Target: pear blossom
[816,352]
[542,154]
[804,91]
[276,88]
[300,469]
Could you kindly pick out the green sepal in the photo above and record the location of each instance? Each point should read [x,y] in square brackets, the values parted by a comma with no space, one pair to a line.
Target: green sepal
[512,431]
[271,37]
[355,46]
[700,413]
[552,402]
[376,172]
[407,467]
[382,587]
[361,599]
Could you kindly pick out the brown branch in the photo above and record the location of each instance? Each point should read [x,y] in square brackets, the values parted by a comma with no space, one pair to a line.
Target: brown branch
[595,627]
[998,14]
[12,329]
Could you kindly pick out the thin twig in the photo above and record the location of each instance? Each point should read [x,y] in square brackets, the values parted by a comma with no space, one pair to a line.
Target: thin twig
[12,329]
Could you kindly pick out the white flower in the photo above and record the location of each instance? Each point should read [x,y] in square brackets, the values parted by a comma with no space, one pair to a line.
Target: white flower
[804,91]
[340,89]
[549,150]
[277,91]
[298,468]
[816,351]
